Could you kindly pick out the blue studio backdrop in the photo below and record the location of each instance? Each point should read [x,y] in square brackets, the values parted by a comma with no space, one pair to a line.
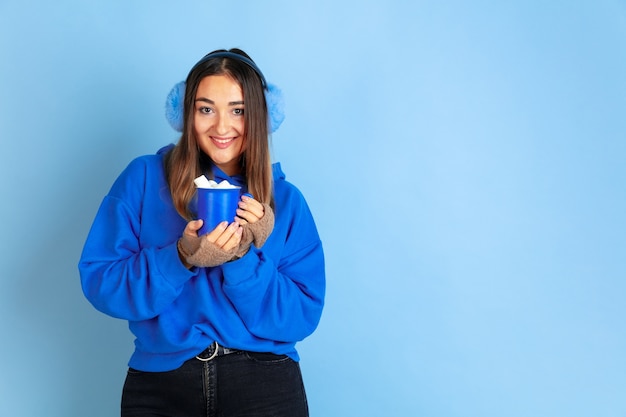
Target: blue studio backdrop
[465,162]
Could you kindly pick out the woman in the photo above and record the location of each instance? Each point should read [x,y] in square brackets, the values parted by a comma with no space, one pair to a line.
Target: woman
[216,317]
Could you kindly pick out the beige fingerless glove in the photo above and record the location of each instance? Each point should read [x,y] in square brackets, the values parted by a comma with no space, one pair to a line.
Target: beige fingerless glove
[202,253]
[257,232]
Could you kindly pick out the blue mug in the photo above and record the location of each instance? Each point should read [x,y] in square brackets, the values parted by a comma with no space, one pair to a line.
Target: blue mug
[216,205]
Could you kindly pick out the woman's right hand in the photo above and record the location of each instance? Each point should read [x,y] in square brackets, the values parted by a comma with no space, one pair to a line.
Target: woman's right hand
[224,236]
[214,248]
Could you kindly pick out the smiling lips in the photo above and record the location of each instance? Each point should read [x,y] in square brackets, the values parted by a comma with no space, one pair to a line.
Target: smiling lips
[222,143]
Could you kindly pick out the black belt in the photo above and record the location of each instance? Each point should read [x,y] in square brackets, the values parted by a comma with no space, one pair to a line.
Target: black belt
[213,351]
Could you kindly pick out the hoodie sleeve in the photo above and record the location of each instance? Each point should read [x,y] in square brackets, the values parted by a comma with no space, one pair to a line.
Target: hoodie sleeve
[281,297]
[120,276]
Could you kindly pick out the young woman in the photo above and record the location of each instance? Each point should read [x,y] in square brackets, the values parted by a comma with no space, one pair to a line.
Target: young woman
[217,316]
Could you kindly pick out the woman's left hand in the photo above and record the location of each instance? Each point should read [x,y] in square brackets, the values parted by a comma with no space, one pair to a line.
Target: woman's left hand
[249,211]
[257,221]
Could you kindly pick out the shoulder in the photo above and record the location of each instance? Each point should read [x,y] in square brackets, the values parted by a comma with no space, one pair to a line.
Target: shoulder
[141,171]
[285,191]
[151,161]
[288,198]
[294,220]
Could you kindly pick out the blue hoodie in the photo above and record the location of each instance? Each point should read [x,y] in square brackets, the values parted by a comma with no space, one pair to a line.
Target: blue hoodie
[265,301]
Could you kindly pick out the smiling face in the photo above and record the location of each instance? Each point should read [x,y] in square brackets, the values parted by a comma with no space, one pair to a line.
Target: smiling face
[218,121]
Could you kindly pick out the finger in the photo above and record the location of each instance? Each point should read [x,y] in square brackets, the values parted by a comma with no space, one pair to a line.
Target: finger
[227,234]
[246,217]
[240,220]
[234,240]
[193,227]
[250,204]
[251,210]
[217,232]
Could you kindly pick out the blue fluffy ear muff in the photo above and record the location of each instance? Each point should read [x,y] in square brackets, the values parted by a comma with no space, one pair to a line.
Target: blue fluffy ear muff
[174,105]
[275,106]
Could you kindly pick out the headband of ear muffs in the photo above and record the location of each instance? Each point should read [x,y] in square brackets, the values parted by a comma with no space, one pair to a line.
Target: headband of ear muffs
[174,103]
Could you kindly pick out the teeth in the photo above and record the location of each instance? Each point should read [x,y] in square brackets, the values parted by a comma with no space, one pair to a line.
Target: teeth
[222,140]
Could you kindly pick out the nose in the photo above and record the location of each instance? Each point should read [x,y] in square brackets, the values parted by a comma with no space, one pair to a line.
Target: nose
[222,124]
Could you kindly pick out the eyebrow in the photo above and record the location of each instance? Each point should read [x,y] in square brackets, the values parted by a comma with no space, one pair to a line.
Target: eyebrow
[231,103]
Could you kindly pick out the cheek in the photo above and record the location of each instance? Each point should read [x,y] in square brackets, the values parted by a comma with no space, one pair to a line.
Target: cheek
[195,125]
[240,125]
[199,123]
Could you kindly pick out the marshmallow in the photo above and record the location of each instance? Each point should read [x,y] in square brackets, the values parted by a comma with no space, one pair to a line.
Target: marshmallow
[203,182]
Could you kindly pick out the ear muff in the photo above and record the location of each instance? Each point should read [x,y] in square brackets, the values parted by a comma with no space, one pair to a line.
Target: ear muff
[174,103]
[174,106]
[275,106]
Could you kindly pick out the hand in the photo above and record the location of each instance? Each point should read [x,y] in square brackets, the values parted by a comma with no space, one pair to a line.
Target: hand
[212,249]
[257,221]
[249,211]
[189,242]
[225,236]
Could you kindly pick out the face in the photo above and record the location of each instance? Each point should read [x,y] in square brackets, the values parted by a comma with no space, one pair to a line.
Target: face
[218,121]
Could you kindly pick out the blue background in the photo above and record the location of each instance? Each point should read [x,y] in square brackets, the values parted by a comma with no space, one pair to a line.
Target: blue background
[465,161]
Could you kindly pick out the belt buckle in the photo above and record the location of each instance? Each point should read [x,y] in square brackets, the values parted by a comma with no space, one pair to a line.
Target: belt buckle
[213,355]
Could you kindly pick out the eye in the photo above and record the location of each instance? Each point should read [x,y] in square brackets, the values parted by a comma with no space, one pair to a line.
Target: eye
[205,110]
[238,112]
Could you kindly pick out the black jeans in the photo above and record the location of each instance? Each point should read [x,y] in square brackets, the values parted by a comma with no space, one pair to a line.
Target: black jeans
[243,384]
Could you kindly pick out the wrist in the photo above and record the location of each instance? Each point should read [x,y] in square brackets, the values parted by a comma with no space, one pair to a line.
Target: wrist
[183,254]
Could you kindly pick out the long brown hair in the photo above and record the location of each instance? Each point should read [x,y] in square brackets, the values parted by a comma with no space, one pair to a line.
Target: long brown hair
[184,162]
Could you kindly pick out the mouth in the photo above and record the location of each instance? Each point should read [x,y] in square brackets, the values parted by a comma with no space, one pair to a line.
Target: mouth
[222,142]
